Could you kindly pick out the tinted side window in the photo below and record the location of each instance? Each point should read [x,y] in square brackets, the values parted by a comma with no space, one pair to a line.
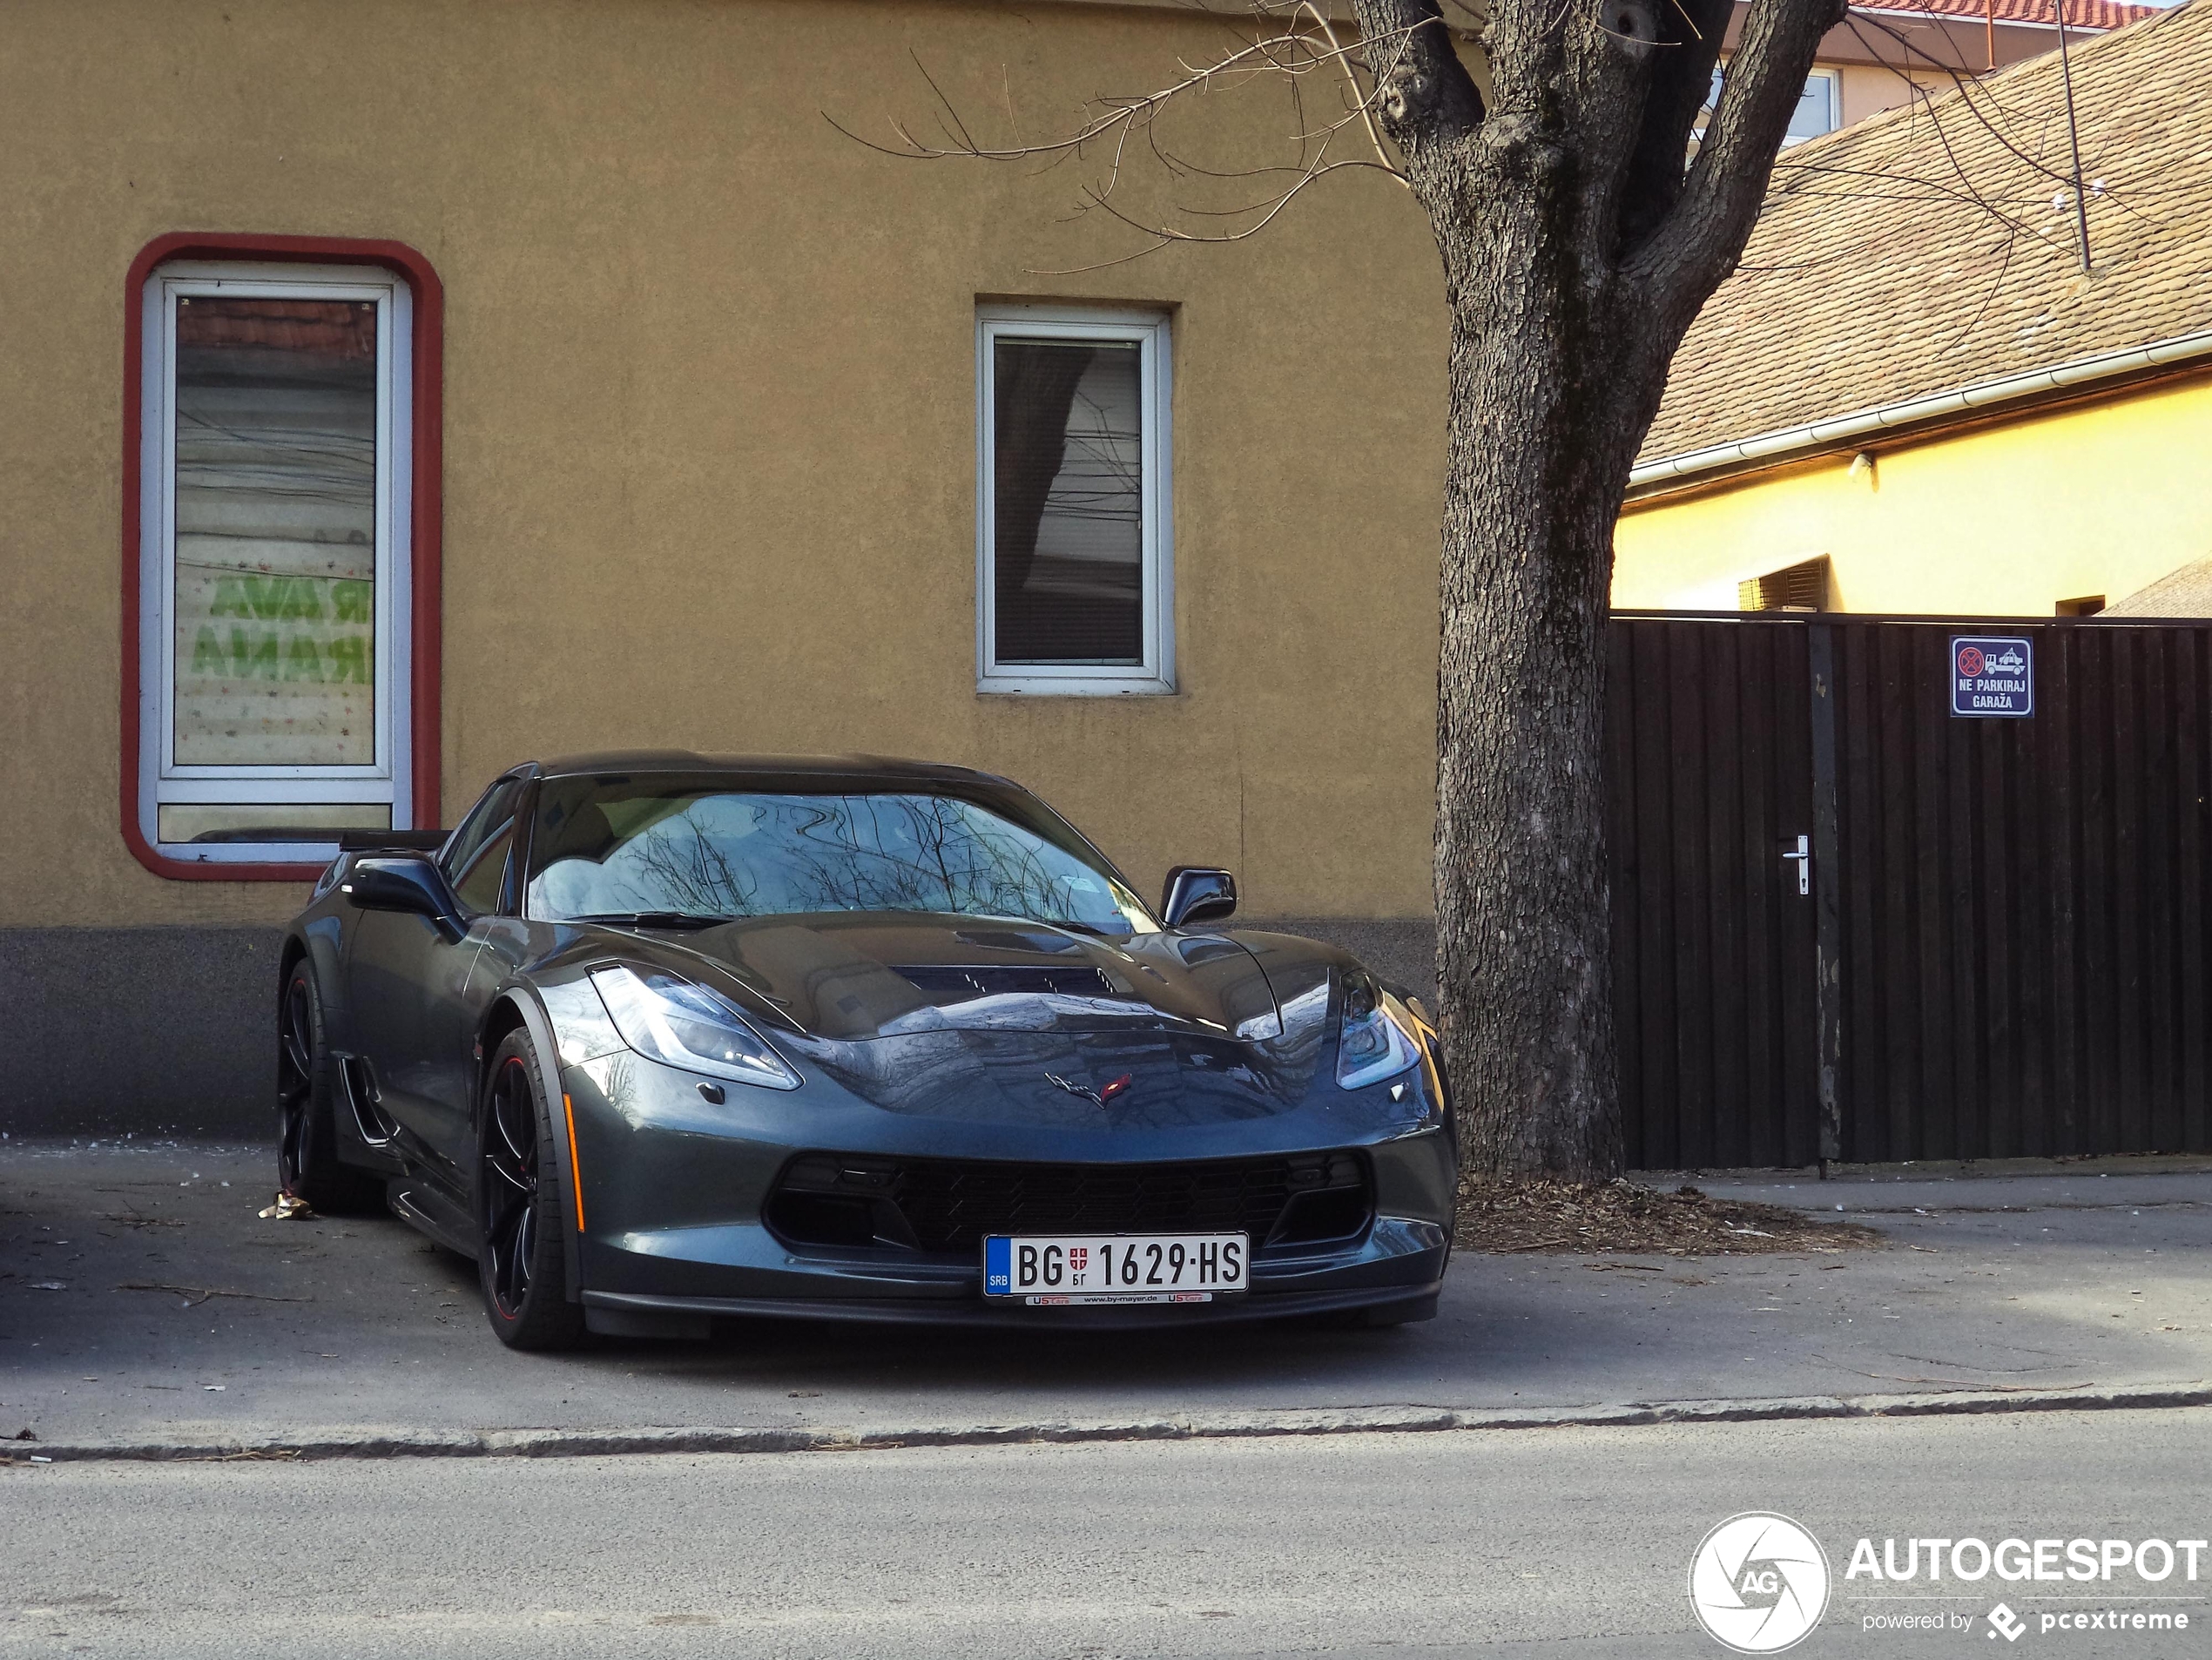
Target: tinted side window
[480,881]
[471,856]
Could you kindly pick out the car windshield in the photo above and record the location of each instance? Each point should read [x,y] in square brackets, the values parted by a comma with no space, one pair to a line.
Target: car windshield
[671,850]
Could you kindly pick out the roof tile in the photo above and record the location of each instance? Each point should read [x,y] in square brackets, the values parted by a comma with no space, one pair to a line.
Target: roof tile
[2080,14]
[1933,246]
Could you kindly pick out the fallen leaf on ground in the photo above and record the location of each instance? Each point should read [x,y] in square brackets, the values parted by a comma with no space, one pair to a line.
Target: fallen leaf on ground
[287,1207]
[1624,1217]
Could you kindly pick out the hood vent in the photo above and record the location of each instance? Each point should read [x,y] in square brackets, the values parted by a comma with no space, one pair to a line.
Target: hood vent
[948,985]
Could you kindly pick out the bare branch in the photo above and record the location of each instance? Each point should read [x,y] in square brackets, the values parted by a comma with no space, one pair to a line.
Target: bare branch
[1307,44]
[1165,236]
[1118,116]
[1362,100]
[1697,244]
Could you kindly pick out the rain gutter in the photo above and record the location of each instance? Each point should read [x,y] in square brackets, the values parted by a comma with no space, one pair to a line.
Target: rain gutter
[1917,412]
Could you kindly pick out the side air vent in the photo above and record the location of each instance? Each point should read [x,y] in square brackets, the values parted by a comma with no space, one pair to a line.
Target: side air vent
[364,1100]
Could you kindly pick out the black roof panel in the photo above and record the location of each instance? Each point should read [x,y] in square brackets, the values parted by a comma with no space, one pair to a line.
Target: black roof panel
[762,768]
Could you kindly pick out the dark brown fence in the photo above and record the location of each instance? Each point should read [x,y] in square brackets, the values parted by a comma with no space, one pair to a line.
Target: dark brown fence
[2002,949]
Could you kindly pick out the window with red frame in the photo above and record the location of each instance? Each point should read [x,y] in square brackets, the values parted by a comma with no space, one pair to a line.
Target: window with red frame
[276,559]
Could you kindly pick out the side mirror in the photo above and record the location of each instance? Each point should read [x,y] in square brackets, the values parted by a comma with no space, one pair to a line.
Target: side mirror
[403,883]
[1197,894]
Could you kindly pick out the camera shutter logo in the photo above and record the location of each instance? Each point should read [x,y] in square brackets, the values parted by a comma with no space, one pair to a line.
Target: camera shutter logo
[1759,1582]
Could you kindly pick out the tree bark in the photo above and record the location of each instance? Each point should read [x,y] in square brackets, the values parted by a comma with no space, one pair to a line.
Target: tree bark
[1523,898]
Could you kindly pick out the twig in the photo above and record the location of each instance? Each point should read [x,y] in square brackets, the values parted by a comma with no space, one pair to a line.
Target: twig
[199,1294]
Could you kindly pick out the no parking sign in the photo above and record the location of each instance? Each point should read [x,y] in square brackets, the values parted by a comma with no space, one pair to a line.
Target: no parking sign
[1992,674]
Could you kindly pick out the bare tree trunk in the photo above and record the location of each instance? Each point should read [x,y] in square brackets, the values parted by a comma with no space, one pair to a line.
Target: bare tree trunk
[1523,917]
[1576,250]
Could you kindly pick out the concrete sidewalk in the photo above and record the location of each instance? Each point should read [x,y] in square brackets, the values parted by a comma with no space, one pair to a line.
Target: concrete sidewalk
[143,1303]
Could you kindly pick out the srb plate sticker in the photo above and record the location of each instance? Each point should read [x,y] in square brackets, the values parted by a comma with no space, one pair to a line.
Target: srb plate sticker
[1047,1270]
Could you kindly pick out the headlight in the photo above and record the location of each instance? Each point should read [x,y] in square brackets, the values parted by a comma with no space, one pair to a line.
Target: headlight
[1370,1046]
[685,1025]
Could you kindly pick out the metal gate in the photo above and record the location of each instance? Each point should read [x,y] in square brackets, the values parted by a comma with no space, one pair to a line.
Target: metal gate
[1995,944]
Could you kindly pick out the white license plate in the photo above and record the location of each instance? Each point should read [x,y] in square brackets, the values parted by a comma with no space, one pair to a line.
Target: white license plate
[1114,1268]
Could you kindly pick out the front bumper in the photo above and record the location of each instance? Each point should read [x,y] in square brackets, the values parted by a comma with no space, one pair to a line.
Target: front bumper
[615,1313]
[673,1190]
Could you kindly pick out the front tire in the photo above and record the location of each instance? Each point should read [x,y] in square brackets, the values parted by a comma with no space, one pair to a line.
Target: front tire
[522,1263]
[307,1162]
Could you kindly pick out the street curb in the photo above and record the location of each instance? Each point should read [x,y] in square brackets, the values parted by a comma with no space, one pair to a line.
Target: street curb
[1357,1421]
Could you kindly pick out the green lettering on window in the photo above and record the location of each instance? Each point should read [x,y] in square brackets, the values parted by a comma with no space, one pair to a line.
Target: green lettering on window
[349,601]
[264,597]
[345,658]
[230,598]
[301,600]
[302,660]
[258,661]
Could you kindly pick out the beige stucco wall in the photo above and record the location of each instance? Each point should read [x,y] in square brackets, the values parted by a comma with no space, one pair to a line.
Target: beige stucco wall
[1868,89]
[2003,520]
[709,407]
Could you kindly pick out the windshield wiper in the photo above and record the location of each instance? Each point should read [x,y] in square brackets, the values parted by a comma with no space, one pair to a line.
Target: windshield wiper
[652,918]
[1078,928]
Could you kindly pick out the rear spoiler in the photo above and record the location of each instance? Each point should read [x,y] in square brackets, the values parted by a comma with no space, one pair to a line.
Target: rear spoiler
[391,840]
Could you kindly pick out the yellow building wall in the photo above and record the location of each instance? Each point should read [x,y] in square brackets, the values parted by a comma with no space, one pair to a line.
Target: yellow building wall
[710,411]
[2008,520]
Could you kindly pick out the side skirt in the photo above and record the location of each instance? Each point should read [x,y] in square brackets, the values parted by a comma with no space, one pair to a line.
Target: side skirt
[429,1210]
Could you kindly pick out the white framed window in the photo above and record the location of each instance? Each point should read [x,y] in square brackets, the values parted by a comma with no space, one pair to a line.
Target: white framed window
[1074,560]
[1820,107]
[275,559]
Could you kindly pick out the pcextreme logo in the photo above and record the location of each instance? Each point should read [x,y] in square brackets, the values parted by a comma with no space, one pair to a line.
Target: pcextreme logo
[1758,1583]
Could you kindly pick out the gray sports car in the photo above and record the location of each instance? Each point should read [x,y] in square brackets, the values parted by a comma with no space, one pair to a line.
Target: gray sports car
[657,1037]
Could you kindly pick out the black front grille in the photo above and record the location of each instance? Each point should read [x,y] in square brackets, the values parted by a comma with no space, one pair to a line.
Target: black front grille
[948,1205]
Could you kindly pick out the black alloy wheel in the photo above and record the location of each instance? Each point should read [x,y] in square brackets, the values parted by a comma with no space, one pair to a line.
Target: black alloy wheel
[307,1162]
[523,1260]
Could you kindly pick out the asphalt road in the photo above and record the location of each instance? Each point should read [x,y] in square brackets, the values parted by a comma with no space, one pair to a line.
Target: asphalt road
[1569,1542]
[176,1312]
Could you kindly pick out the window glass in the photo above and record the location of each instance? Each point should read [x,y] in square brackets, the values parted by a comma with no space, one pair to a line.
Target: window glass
[275,504]
[1817,112]
[482,876]
[485,820]
[1069,508]
[619,845]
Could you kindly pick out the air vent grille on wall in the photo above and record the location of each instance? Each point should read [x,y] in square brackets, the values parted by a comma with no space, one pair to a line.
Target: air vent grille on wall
[1802,587]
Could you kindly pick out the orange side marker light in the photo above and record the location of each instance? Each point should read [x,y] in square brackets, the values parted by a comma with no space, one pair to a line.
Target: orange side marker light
[576,1171]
